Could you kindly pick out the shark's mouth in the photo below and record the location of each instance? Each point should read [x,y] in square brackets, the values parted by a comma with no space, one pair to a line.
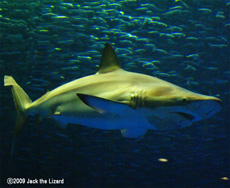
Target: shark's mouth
[199,110]
[166,118]
[186,116]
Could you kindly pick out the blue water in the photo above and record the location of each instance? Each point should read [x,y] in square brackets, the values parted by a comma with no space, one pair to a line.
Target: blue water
[47,43]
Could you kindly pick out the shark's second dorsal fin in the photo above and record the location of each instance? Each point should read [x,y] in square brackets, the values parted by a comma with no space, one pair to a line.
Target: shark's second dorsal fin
[109,61]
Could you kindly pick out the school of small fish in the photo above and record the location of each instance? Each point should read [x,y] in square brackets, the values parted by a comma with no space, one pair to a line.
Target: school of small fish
[172,40]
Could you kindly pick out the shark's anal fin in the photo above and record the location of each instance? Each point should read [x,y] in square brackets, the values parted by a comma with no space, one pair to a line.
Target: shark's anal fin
[59,119]
[103,105]
[133,132]
[109,61]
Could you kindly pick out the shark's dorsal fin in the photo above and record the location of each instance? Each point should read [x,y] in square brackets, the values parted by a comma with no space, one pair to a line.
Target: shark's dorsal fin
[109,61]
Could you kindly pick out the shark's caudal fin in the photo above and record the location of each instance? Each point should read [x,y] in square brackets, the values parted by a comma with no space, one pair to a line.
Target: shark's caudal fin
[21,101]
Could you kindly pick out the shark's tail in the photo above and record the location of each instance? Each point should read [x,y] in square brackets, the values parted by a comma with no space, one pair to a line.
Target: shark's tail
[21,101]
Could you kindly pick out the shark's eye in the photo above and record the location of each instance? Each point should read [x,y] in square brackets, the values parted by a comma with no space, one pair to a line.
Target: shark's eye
[184,100]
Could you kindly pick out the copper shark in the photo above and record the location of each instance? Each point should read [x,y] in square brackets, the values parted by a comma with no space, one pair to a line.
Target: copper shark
[116,99]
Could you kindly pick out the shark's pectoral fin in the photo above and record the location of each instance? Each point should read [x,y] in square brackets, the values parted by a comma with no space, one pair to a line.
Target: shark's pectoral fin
[133,132]
[104,105]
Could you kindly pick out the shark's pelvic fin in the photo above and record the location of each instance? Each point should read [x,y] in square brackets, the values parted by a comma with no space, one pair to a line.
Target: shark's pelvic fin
[61,124]
[21,101]
[133,132]
[104,105]
[109,61]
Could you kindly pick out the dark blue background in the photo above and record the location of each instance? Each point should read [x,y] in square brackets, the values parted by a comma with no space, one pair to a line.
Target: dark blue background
[42,51]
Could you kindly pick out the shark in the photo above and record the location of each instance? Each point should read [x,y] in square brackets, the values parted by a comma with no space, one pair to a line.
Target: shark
[115,99]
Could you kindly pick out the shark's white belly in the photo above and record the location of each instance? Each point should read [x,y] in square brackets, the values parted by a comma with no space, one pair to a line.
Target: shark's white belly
[83,115]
